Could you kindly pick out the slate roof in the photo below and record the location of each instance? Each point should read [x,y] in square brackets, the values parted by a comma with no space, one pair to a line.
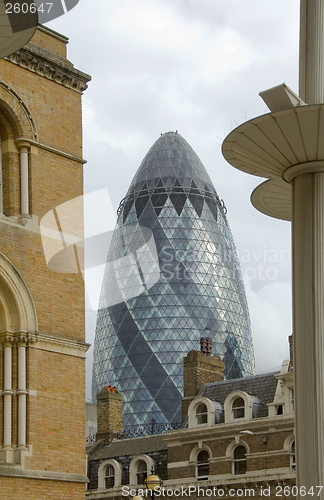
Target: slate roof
[133,446]
[263,386]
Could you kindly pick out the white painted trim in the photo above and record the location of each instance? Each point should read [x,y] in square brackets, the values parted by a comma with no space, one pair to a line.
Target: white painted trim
[192,416]
[101,473]
[133,467]
[228,406]
[175,465]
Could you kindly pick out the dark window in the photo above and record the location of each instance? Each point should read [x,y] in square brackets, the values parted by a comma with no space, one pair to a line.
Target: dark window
[202,465]
[109,477]
[238,408]
[239,460]
[293,457]
[141,472]
[201,414]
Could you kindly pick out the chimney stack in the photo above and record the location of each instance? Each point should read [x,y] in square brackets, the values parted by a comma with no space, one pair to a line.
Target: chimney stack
[199,369]
[109,414]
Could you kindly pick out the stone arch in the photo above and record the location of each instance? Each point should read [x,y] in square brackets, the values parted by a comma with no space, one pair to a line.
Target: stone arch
[210,412]
[17,308]
[17,114]
[133,467]
[199,447]
[101,473]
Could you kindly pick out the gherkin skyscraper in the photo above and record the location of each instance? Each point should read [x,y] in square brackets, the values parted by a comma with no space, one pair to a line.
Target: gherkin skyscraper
[172,277]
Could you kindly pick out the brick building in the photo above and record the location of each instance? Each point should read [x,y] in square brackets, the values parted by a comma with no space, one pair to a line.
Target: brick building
[237,439]
[42,337]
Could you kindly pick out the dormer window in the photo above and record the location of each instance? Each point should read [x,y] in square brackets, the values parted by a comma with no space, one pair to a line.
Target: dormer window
[109,477]
[240,405]
[141,473]
[201,414]
[139,468]
[238,408]
[109,474]
[203,411]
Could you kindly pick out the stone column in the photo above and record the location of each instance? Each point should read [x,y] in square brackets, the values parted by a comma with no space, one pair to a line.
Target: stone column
[24,146]
[22,392]
[7,341]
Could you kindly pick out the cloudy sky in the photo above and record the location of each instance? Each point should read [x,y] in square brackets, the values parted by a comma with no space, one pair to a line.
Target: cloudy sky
[195,66]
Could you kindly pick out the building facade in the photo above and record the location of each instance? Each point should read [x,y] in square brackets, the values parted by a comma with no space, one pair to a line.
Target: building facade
[237,440]
[172,275]
[42,336]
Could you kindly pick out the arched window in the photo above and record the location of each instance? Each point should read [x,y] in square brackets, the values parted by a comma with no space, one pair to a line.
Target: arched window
[201,414]
[109,474]
[141,472]
[202,465]
[238,408]
[292,457]
[109,477]
[239,460]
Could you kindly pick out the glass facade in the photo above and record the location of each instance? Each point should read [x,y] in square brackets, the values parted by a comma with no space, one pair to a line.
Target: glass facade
[172,277]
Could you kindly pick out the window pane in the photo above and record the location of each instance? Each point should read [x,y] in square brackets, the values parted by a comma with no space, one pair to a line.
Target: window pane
[239,460]
[109,477]
[239,453]
[141,472]
[240,467]
[203,470]
[238,408]
[201,414]
[292,457]
[203,464]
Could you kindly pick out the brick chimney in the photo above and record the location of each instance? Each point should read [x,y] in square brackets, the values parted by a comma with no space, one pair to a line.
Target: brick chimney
[199,369]
[109,414]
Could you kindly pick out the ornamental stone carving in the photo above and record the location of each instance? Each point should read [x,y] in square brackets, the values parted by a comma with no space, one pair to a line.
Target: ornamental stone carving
[57,69]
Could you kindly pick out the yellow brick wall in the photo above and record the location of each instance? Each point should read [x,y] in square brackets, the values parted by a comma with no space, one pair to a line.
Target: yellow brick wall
[33,489]
[51,40]
[56,408]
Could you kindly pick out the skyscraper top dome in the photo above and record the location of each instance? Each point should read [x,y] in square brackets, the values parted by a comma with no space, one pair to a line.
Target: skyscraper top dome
[171,167]
[171,157]
[156,303]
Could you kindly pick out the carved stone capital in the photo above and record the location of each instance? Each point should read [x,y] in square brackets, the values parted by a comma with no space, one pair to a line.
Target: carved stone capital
[7,339]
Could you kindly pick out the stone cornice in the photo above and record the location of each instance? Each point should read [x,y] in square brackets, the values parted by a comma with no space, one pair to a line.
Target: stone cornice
[16,471]
[49,65]
[263,425]
[61,345]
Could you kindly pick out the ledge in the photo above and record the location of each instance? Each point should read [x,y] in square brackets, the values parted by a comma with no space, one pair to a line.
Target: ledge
[17,471]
